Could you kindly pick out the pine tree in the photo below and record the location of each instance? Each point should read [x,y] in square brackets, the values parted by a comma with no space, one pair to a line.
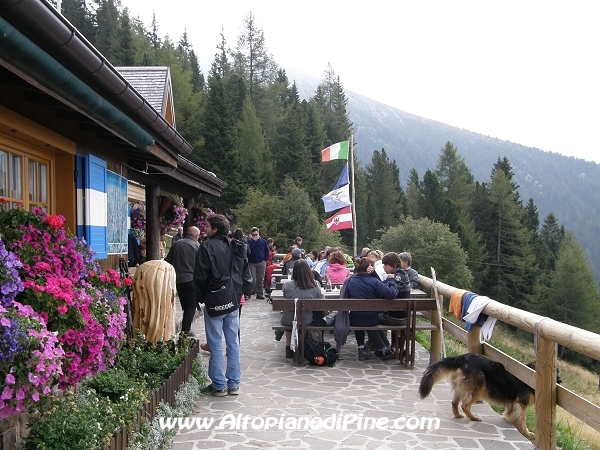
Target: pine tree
[76,12]
[291,154]
[154,39]
[413,194]
[107,18]
[218,153]
[331,102]
[252,60]
[384,193]
[257,163]
[434,204]
[573,295]
[125,50]
[514,264]
[455,177]
[197,76]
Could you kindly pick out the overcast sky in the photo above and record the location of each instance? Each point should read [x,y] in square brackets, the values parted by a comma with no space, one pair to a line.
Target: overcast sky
[523,71]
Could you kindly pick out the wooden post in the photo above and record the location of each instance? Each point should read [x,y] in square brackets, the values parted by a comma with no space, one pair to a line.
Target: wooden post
[189,220]
[436,335]
[473,343]
[152,222]
[545,394]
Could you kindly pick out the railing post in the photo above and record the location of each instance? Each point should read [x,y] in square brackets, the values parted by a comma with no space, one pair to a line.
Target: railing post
[436,335]
[545,394]
[473,343]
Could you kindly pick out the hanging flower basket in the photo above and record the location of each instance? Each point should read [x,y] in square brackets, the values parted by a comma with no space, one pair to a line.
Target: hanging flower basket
[200,213]
[172,213]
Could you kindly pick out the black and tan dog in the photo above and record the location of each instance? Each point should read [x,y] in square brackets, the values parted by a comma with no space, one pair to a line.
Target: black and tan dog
[475,377]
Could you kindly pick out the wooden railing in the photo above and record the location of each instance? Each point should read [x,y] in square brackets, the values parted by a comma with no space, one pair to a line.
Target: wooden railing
[547,334]
[165,393]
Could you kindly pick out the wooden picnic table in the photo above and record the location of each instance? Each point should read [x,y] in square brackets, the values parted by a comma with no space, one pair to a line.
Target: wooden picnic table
[333,303]
[414,293]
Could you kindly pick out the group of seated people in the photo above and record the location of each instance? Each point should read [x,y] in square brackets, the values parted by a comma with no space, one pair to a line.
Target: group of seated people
[375,276]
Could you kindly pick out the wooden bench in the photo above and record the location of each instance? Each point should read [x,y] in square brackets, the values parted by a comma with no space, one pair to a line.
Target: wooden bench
[410,305]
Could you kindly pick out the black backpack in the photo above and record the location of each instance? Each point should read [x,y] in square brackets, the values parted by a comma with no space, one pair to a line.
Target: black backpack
[319,353]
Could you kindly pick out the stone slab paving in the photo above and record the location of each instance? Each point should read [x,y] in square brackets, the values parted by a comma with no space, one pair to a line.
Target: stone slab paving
[273,388]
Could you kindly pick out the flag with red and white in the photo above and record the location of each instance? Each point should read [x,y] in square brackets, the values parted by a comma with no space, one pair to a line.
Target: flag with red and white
[335,151]
[341,220]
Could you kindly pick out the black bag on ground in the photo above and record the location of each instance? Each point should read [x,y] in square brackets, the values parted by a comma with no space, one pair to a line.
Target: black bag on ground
[220,297]
[319,353]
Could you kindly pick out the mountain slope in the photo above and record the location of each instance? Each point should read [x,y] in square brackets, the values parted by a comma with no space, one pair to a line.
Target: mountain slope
[566,186]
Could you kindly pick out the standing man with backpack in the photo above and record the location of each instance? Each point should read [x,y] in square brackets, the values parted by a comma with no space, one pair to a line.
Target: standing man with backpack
[221,275]
[257,260]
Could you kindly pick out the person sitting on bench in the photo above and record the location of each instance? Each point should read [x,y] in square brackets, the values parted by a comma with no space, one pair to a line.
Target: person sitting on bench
[363,285]
[302,285]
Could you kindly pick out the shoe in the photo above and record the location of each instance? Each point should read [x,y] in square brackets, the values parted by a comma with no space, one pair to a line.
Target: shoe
[262,297]
[215,392]
[278,335]
[385,356]
[188,334]
[204,346]
[368,345]
[289,353]
[362,354]
[233,390]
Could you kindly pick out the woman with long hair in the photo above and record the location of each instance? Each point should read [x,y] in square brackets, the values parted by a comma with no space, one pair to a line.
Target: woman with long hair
[302,285]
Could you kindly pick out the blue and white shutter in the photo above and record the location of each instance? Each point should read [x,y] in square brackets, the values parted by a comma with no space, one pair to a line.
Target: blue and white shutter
[92,203]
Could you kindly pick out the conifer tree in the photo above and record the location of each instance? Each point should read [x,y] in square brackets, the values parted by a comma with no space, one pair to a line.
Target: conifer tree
[218,153]
[76,12]
[331,102]
[107,19]
[257,164]
[413,194]
[385,196]
[455,177]
[251,60]
[573,295]
[513,274]
[124,51]
[434,204]
[154,39]
[291,153]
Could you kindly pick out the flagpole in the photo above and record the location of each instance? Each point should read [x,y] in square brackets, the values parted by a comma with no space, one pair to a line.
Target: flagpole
[351,156]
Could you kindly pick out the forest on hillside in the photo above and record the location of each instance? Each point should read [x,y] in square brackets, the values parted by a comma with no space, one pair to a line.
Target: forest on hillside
[248,125]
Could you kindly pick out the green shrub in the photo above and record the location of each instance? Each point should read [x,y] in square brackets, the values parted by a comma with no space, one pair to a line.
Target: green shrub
[110,400]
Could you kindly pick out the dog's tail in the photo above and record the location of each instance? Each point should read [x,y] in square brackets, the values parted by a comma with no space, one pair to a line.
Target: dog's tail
[438,371]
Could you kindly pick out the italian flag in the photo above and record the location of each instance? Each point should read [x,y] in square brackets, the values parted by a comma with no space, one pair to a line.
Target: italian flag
[336,151]
[340,220]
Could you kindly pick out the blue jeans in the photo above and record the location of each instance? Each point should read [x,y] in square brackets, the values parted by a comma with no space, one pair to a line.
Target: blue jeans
[215,328]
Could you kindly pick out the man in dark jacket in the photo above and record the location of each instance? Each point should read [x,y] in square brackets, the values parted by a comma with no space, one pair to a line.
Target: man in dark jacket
[178,236]
[220,257]
[182,256]
[257,260]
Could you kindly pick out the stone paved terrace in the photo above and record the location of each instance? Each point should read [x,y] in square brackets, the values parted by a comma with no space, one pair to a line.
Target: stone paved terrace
[272,387]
